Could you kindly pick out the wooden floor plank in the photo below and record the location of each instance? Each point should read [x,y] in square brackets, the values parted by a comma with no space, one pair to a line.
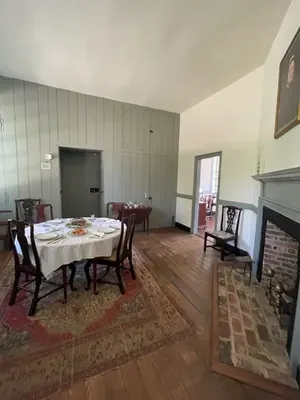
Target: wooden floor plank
[115,386]
[168,377]
[151,379]
[134,383]
[78,391]
[95,388]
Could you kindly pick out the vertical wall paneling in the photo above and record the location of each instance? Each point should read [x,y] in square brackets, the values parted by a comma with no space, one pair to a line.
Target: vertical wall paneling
[143,139]
[126,178]
[117,150]
[53,136]
[39,120]
[91,121]
[108,156]
[81,110]
[3,196]
[33,139]
[63,116]
[126,127]
[73,118]
[100,123]
[21,138]
[44,140]
[10,162]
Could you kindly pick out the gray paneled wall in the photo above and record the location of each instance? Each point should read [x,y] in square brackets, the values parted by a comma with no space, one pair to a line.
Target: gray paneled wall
[36,119]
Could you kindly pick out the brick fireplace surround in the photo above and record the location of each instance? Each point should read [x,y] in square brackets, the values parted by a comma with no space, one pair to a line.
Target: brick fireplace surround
[280,192]
[281,254]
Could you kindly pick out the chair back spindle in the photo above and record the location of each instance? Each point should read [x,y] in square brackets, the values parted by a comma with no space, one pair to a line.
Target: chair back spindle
[230,219]
[25,207]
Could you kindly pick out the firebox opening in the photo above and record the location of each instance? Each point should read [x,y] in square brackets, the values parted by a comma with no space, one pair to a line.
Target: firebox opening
[278,267]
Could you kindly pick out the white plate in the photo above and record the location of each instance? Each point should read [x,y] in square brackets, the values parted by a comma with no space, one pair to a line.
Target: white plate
[106,229]
[46,236]
[115,225]
[102,219]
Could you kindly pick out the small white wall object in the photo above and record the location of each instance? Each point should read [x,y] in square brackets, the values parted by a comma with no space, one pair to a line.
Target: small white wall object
[48,157]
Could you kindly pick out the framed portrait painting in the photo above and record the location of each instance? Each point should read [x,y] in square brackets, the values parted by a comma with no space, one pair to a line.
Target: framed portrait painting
[288,95]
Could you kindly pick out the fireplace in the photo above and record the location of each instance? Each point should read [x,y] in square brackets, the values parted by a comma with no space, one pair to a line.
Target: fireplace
[280,254]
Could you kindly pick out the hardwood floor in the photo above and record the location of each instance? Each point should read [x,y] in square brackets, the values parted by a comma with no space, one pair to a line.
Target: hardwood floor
[180,371]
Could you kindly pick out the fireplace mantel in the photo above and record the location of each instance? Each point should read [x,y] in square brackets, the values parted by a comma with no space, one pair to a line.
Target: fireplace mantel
[291,174]
[280,191]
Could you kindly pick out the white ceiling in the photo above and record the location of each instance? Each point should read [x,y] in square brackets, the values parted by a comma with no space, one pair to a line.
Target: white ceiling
[166,54]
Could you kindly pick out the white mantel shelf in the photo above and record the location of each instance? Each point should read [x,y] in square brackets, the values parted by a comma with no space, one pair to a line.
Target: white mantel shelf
[291,174]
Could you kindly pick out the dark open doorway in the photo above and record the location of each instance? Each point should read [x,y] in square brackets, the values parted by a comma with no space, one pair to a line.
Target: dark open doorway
[81,188]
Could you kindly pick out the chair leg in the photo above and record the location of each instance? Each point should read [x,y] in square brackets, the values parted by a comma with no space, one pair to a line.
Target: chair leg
[131,268]
[232,268]
[223,252]
[95,277]
[250,273]
[235,248]
[35,299]
[14,291]
[87,274]
[65,283]
[120,282]
[205,240]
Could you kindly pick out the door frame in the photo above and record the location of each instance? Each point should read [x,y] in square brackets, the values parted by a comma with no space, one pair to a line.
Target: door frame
[101,183]
[196,187]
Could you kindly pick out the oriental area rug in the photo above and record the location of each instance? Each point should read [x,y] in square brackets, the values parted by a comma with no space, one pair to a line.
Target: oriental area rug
[247,342]
[88,335]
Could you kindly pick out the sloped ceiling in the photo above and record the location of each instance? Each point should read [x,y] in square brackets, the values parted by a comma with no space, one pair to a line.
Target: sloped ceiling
[166,54]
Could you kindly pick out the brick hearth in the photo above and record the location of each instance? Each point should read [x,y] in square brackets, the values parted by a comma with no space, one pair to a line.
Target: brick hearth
[249,332]
[280,254]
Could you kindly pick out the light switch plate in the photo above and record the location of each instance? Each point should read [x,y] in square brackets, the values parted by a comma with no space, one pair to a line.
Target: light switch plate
[45,165]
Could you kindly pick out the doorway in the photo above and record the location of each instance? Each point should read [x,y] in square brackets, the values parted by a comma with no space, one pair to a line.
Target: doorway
[206,192]
[80,172]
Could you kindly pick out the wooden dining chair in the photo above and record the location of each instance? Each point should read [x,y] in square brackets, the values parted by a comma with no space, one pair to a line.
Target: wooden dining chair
[228,232]
[25,208]
[43,213]
[24,266]
[119,255]
[114,210]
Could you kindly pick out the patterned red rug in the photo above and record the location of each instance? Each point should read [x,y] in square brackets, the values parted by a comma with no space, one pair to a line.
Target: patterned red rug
[88,335]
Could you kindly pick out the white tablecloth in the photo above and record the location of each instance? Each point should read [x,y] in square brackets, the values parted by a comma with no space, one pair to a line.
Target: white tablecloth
[72,248]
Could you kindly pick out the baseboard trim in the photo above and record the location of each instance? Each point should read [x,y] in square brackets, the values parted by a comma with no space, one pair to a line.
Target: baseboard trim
[183,227]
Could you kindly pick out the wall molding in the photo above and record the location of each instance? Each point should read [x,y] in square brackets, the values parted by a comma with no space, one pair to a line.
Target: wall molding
[184,196]
[244,206]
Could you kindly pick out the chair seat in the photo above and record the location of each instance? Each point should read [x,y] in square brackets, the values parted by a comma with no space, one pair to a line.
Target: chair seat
[221,235]
[112,258]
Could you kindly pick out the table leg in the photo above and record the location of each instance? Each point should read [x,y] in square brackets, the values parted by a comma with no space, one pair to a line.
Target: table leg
[144,224]
[72,267]
[148,225]
[65,282]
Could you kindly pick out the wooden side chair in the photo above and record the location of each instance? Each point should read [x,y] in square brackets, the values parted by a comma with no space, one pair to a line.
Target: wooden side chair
[25,208]
[114,210]
[119,255]
[43,212]
[24,265]
[228,232]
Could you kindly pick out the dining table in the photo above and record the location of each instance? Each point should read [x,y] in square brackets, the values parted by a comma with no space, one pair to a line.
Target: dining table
[63,248]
